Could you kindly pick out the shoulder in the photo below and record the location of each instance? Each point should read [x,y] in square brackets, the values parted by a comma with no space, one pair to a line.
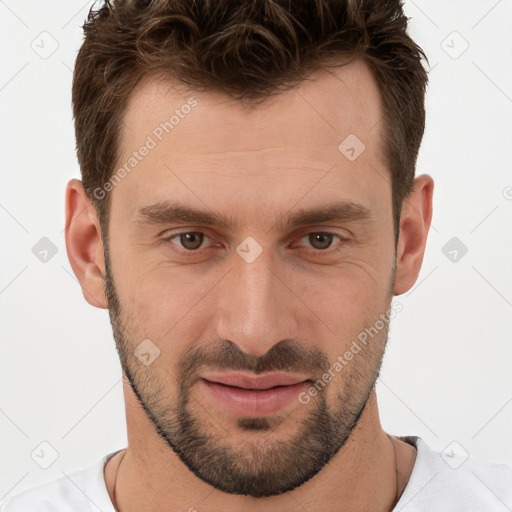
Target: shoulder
[453,481]
[82,490]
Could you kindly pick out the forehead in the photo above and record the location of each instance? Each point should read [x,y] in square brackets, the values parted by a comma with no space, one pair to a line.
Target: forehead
[339,100]
[206,141]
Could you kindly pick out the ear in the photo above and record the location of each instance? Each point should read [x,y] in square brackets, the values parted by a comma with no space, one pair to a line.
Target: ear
[414,226]
[84,244]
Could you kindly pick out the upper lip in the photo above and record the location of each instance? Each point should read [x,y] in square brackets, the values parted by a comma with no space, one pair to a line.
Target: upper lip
[265,381]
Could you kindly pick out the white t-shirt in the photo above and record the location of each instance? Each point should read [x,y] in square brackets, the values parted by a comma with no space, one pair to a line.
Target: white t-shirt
[438,483]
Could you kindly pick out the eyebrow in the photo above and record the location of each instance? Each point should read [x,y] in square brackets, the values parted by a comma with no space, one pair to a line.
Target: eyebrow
[166,212]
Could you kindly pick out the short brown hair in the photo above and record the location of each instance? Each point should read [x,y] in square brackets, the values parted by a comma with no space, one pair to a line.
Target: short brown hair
[247,49]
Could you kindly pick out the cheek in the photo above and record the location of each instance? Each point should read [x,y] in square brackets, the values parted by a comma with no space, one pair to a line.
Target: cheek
[343,302]
[174,304]
[166,304]
[354,289]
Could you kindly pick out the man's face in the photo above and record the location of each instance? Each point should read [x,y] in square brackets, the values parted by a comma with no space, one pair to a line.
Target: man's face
[260,293]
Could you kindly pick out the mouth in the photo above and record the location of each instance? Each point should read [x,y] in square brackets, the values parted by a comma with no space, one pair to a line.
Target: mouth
[254,396]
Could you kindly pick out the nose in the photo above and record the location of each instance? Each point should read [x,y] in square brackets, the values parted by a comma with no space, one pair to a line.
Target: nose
[256,306]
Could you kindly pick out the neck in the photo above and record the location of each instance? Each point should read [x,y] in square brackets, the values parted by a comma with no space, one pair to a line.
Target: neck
[361,476]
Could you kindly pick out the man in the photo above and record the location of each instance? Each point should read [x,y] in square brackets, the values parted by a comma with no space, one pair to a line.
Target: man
[247,212]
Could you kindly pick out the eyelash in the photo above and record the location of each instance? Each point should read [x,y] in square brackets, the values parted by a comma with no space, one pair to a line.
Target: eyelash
[190,253]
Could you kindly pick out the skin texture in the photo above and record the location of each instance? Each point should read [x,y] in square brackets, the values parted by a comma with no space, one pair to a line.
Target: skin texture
[255,166]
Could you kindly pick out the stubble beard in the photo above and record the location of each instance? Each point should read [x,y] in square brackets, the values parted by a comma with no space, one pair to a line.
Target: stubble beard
[267,465]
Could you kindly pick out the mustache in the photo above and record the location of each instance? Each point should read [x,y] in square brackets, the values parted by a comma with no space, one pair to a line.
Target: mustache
[286,355]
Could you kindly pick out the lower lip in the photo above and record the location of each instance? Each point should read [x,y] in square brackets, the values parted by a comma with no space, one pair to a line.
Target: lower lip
[254,403]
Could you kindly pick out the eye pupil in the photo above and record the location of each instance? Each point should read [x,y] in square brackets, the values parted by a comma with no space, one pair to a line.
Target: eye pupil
[191,241]
[320,240]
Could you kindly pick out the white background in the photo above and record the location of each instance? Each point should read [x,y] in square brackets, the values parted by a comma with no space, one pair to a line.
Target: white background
[446,375]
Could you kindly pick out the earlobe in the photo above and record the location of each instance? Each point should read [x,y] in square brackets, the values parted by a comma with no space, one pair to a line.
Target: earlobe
[414,227]
[84,245]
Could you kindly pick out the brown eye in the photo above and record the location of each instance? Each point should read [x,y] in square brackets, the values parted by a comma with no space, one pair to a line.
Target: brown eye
[320,241]
[191,241]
